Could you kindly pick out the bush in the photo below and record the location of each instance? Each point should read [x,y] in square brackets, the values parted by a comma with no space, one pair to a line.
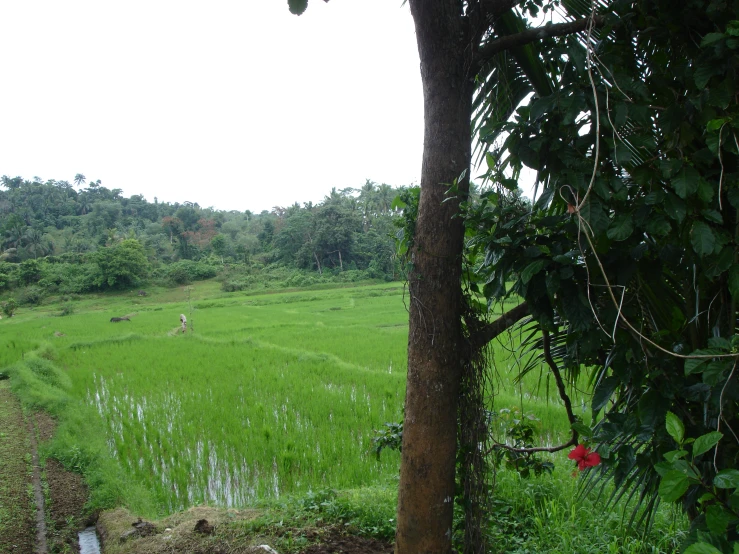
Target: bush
[29,271]
[31,296]
[186,271]
[9,307]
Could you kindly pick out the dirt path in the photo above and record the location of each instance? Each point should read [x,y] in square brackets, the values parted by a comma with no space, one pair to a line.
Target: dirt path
[17,512]
[38,493]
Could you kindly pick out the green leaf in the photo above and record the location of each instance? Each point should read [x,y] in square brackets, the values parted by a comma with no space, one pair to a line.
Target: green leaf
[701,548]
[659,226]
[621,228]
[720,342]
[490,160]
[715,124]
[713,216]
[710,38]
[673,455]
[297,6]
[702,238]
[705,442]
[734,281]
[685,182]
[702,75]
[673,485]
[727,479]
[662,468]
[717,519]
[705,191]
[692,365]
[675,427]
[603,393]
[675,208]
[532,269]
[582,429]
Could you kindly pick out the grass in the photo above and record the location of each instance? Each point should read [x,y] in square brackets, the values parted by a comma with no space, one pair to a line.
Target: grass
[272,400]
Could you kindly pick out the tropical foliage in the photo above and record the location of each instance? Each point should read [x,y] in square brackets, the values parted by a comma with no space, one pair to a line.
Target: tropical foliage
[628,259]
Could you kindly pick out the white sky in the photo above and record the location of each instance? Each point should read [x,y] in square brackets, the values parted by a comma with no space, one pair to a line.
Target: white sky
[235,104]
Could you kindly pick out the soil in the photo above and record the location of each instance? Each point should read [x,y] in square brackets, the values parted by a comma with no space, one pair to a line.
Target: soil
[17,519]
[349,544]
[66,493]
[65,509]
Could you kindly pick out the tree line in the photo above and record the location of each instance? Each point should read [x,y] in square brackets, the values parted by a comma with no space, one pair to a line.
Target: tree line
[80,237]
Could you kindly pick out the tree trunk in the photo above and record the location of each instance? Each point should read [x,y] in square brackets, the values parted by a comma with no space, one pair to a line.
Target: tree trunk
[435,343]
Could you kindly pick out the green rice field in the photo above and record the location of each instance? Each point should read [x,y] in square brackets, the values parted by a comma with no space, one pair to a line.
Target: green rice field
[265,395]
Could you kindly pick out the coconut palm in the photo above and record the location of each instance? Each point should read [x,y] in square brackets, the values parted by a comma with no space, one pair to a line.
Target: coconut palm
[79,179]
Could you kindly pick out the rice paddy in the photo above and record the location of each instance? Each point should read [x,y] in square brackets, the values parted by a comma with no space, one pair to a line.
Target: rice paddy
[265,395]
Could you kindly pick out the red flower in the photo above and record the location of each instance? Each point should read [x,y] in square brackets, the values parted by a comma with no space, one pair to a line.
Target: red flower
[584,457]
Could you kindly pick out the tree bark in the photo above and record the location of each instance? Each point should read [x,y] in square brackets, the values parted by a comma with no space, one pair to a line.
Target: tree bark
[435,344]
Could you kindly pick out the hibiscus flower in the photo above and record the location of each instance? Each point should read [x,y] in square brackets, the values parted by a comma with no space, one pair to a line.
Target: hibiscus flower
[584,457]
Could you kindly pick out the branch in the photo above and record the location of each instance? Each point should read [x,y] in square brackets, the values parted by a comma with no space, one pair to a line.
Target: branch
[493,47]
[558,378]
[546,344]
[485,334]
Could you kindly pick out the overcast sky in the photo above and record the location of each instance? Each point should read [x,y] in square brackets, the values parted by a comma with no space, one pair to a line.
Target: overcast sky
[235,104]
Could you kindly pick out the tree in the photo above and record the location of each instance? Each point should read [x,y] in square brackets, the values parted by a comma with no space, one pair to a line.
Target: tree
[79,179]
[38,242]
[122,265]
[455,40]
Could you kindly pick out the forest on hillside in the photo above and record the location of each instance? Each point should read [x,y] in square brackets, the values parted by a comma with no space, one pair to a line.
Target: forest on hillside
[58,237]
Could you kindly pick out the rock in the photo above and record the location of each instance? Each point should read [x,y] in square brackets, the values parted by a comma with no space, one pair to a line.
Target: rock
[145,528]
[267,549]
[203,527]
[140,529]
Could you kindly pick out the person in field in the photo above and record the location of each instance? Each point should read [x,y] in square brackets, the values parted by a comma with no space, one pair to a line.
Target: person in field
[183,320]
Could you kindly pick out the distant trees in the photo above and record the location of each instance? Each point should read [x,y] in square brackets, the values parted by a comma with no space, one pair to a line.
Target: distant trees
[351,229]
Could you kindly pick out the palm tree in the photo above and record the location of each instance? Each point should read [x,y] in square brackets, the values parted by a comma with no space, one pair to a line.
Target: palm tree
[384,197]
[84,203]
[367,201]
[79,179]
[36,241]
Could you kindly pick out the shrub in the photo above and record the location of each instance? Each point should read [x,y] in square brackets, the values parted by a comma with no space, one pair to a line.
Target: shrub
[241,283]
[9,307]
[31,296]
[29,271]
[186,271]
